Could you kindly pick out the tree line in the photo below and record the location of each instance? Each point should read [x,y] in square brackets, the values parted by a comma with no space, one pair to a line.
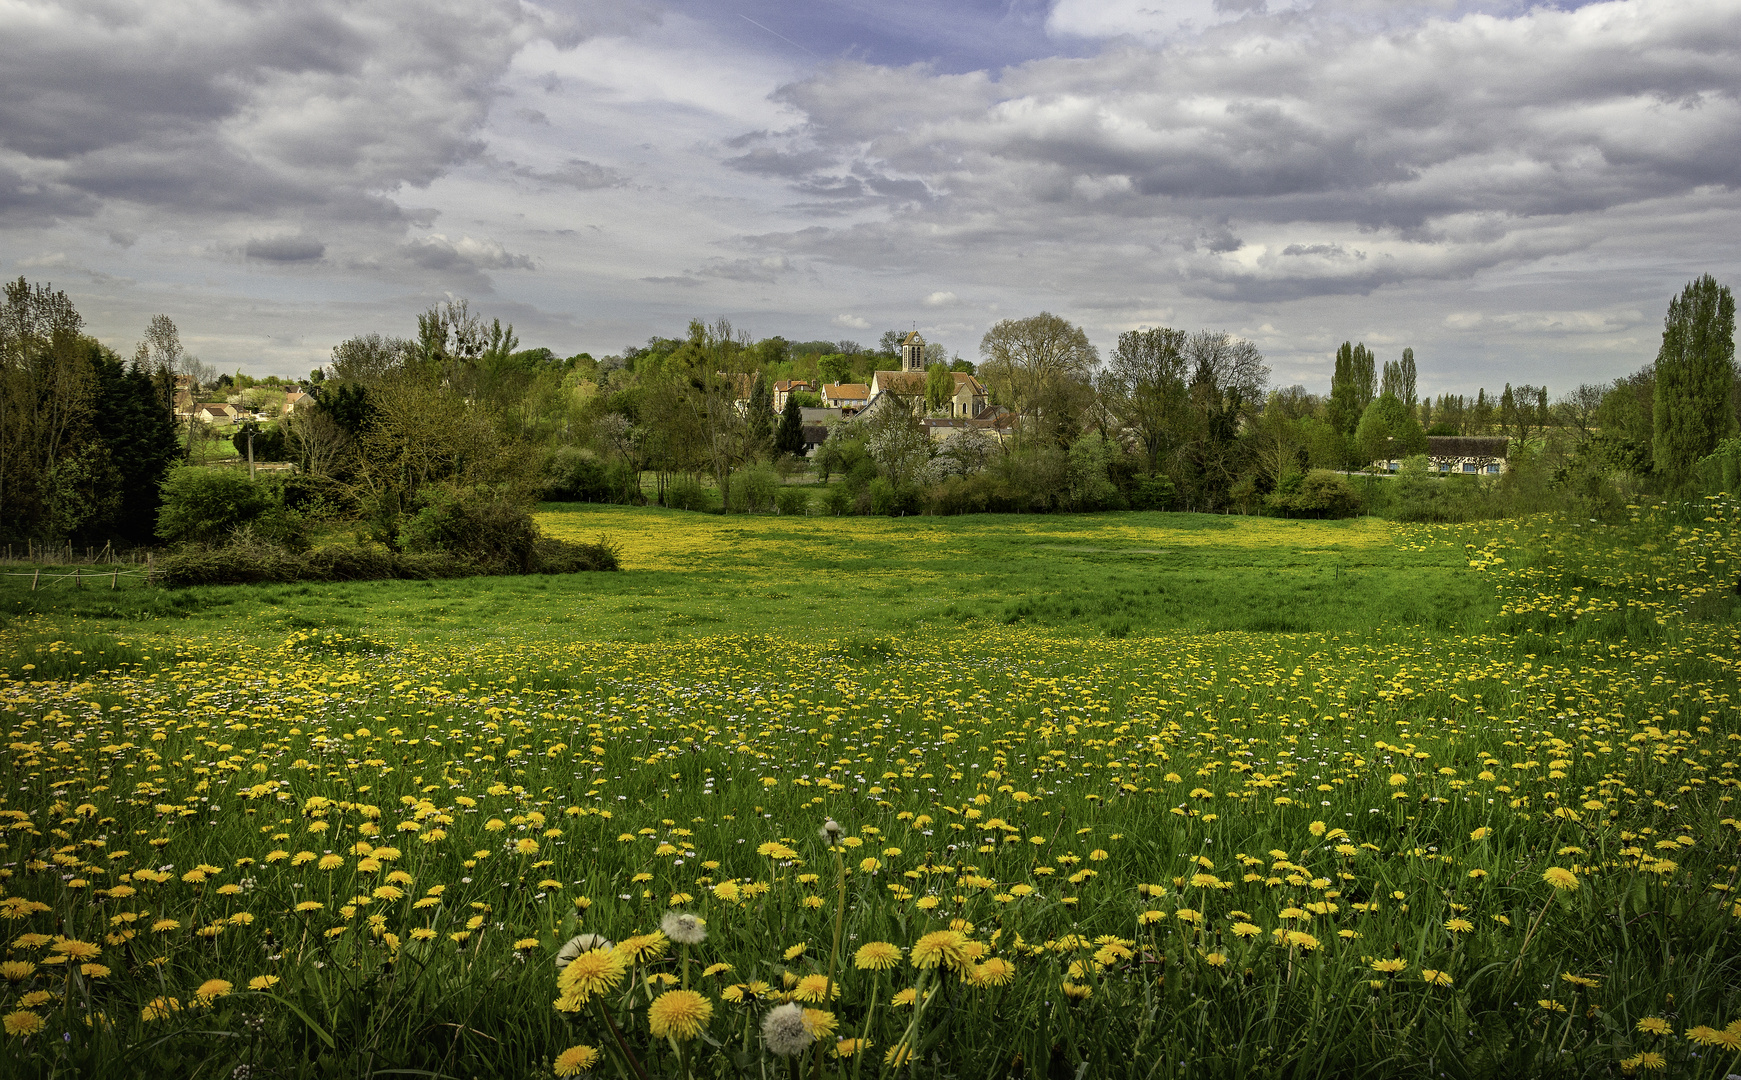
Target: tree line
[1169,418]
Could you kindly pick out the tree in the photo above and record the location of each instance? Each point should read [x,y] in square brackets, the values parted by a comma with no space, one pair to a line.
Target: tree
[1695,377]
[1389,431]
[1352,387]
[46,384]
[939,387]
[1146,380]
[1039,366]
[1577,411]
[789,439]
[761,414]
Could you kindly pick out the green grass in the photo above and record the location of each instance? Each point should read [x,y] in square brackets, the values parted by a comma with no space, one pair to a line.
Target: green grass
[1104,744]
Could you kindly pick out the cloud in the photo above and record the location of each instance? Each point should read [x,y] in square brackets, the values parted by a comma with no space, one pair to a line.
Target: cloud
[48,260]
[576,173]
[1493,141]
[851,322]
[284,249]
[437,252]
[941,299]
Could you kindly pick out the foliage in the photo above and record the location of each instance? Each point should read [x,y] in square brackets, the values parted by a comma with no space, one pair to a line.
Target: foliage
[204,506]
[1695,379]
[1320,493]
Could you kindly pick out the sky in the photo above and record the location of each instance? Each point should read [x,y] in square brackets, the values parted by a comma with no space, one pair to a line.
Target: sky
[1513,191]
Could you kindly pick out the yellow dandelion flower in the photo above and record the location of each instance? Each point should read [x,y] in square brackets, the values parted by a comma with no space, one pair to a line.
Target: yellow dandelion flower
[576,1060]
[23,1022]
[877,956]
[263,982]
[212,989]
[677,1014]
[1560,878]
[596,971]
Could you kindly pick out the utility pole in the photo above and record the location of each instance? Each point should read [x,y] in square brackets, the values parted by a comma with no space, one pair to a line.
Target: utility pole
[250,451]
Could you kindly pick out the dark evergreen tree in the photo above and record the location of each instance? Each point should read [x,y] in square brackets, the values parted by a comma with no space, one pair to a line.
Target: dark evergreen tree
[133,418]
[761,413]
[1695,376]
[1352,387]
[789,439]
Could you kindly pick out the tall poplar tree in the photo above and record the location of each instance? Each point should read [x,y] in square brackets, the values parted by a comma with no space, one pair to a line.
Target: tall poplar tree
[1695,376]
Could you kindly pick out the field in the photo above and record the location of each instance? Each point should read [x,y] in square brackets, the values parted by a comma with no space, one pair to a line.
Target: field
[1122,795]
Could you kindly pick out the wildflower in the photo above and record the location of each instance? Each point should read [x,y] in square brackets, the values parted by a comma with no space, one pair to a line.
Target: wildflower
[164,926]
[1435,978]
[1655,1025]
[819,1022]
[1245,930]
[212,989]
[994,972]
[644,947]
[898,1055]
[263,982]
[159,1008]
[939,946]
[573,947]
[813,987]
[904,997]
[845,1048]
[1560,878]
[785,1032]
[520,944]
[1389,967]
[830,832]
[576,1060]
[1077,991]
[1459,926]
[1704,1035]
[595,971]
[877,956]
[19,970]
[1584,981]
[683,927]
[23,1022]
[679,1014]
[1481,834]
[793,952]
[1550,1005]
[77,950]
[94,971]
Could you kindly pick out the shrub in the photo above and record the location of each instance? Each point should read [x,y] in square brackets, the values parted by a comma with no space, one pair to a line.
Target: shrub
[754,489]
[488,527]
[792,500]
[204,506]
[686,493]
[837,500]
[1153,493]
[575,475]
[1320,493]
[893,500]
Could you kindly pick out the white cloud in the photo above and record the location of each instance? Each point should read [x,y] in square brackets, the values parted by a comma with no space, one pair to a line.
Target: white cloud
[941,299]
[851,322]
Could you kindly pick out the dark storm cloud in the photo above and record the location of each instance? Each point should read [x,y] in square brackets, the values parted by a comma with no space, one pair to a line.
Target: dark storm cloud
[285,249]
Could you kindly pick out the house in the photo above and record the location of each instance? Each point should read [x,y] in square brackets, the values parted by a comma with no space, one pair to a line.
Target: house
[847,397]
[1473,454]
[808,415]
[216,412]
[786,387]
[814,435]
[296,399]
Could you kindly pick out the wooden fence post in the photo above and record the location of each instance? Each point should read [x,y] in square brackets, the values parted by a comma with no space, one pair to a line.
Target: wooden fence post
[33,578]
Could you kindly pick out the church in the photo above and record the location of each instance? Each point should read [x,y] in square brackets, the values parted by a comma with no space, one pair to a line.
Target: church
[967,401]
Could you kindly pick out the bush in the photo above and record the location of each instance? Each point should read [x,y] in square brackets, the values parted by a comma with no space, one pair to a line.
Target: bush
[1153,493]
[792,500]
[204,506]
[686,493]
[837,500]
[249,561]
[893,500]
[753,492]
[1320,493]
[575,475]
[489,528]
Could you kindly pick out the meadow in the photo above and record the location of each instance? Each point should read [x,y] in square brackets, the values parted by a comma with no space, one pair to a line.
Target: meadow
[1122,795]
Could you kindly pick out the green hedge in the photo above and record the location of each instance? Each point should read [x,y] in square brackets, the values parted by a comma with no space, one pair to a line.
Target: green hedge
[248,564]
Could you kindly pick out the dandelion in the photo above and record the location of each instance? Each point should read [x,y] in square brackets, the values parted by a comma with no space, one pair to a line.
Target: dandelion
[576,1060]
[683,927]
[845,1048]
[877,956]
[263,982]
[813,987]
[23,1022]
[939,946]
[1560,878]
[679,1014]
[904,998]
[77,950]
[1704,1035]
[819,1022]
[211,990]
[1459,926]
[19,970]
[793,952]
[574,946]
[1435,978]
[593,972]
[1389,967]
[1550,1005]
[898,1055]
[1245,930]
[785,1032]
[830,832]
[644,947]
[159,1009]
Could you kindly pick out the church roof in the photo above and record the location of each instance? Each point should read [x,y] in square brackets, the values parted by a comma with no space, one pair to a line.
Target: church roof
[913,339]
[901,382]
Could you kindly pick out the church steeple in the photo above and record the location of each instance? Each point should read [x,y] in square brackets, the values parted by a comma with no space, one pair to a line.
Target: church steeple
[913,352]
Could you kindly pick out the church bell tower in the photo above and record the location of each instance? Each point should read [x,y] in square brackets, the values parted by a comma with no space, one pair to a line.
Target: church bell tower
[913,352]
